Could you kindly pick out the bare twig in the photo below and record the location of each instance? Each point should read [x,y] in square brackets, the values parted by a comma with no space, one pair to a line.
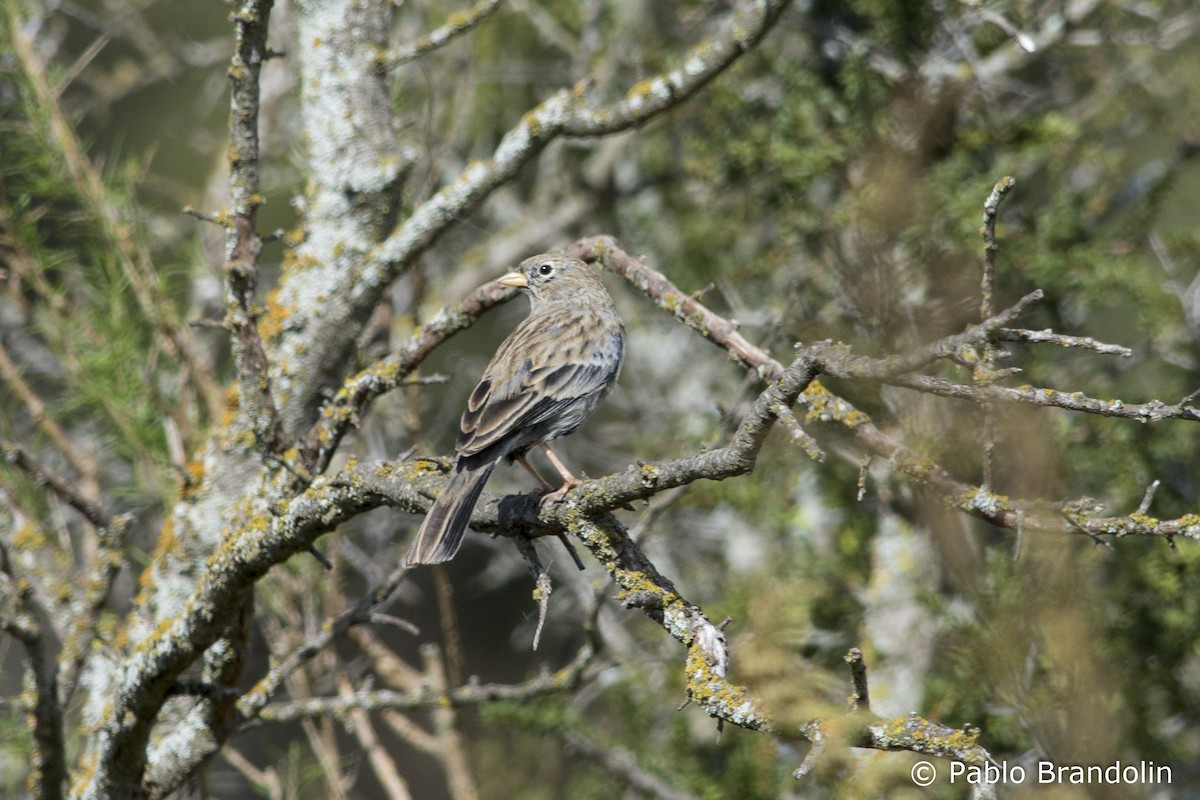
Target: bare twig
[624,763]
[1150,411]
[988,231]
[819,742]
[542,586]
[265,780]
[427,697]
[798,434]
[983,372]
[81,462]
[450,750]
[382,763]
[253,701]
[860,697]
[1062,340]
[66,490]
[1148,497]
[459,23]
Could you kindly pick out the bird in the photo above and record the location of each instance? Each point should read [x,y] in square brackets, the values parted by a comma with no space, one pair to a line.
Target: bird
[544,381]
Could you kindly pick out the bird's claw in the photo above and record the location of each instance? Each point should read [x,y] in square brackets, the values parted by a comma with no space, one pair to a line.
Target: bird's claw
[557,495]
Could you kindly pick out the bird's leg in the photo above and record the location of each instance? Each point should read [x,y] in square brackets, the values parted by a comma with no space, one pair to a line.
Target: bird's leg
[546,488]
[569,480]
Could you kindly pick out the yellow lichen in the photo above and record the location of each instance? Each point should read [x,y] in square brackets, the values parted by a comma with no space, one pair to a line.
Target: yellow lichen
[272,323]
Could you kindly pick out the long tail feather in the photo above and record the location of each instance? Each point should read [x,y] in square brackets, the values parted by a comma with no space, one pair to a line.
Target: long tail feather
[442,531]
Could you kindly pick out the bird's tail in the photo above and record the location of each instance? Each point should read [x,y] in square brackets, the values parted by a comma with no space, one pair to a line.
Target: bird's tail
[442,531]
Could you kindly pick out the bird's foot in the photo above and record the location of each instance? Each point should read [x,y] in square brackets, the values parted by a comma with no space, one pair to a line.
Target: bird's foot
[557,495]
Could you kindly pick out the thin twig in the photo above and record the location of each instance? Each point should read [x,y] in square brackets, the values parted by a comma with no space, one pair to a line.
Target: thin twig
[459,23]
[542,586]
[81,462]
[66,490]
[860,697]
[1150,411]
[624,764]
[988,232]
[254,700]
[826,407]
[984,372]
[1148,497]
[427,697]
[798,434]
[382,762]
[1062,340]
[450,749]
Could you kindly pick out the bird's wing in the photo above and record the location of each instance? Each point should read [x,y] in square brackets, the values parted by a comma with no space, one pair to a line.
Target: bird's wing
[509,407]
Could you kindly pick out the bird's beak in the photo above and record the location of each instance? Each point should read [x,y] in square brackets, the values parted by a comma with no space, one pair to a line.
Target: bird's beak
[513,279]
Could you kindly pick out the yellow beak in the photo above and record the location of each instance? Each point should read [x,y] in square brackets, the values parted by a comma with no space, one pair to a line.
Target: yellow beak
[513,279]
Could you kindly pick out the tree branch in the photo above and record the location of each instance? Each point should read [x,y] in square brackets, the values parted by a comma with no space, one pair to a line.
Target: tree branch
[565,113]
[20,458]
[1061,340]
[1150,411]
[557,682]
[93,594]
[48,778]
[242,242]
[829,408]
[347,407]
[459,23]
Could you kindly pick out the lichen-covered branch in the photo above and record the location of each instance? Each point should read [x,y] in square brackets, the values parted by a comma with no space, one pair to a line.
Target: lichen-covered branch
[584,514]
[827,407]
[91,593]
[456,25]
[346,408]
[1062,340]
[704,62]
[150,672]
[242,242]
[565,113]
[1150,411]
[918,735]
[313,337]
[92,597]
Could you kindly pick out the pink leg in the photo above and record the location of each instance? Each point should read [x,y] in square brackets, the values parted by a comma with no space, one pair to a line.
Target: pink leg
[569,480]
[536,475]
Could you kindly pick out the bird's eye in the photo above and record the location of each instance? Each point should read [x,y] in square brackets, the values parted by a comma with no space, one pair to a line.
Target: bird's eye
[546,269]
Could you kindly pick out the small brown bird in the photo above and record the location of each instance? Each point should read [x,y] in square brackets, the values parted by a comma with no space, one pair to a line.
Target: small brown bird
[550,374]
